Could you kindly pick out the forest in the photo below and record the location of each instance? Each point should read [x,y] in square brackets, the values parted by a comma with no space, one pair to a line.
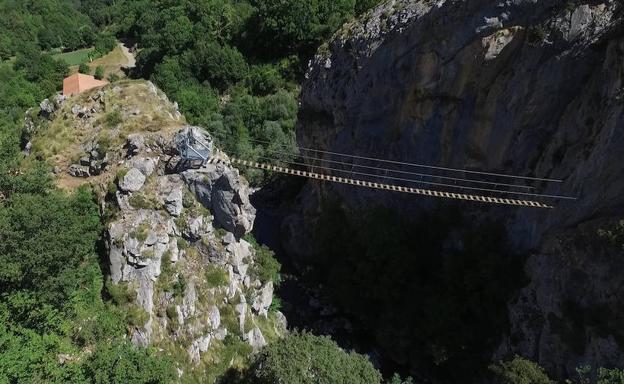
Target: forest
[235,67]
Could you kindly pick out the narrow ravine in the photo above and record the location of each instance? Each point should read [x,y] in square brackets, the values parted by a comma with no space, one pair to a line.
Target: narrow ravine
[304,303]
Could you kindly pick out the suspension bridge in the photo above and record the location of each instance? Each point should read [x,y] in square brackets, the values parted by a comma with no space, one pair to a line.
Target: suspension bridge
[382,174]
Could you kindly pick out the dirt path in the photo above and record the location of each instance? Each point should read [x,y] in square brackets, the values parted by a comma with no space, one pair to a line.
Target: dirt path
[129,56]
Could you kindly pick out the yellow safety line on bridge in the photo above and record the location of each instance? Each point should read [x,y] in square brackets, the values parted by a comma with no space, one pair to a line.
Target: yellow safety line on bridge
[388,187]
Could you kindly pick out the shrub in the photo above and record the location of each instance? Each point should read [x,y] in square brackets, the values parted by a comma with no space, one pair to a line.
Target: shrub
[264,79]
[179,286]
[99,72]
[121,362]
[306,359]
[519,371]
[216,276]
[121,293]
[84,68]
[136,316]
[266,267]
[104,43]
[113,118]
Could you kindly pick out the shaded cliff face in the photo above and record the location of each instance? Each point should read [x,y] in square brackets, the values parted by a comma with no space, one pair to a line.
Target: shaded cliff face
[531,88]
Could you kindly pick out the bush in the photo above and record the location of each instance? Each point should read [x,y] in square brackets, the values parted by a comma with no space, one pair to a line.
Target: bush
[264,79]
[307,359]
[104,43]
[221,66]
[121,293]
[44,241]
[519,371]
[136,315]
[99,72]
[216,276]
[113,118]
[84,68]
[266,268]
[121,362]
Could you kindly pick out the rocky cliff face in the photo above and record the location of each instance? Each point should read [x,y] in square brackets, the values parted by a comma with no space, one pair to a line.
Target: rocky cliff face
[530,88]
[179,266]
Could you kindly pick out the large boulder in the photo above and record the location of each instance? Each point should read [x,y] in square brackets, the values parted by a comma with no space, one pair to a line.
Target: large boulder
[132,181]
[221,189]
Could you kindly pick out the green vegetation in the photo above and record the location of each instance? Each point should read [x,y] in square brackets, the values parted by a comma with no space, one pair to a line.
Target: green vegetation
[99,72]
[304,358]
[266,267]
[120,362]
[80,56]
[113,118]
[216,276]
[519,371]
[84,68]
[43,24]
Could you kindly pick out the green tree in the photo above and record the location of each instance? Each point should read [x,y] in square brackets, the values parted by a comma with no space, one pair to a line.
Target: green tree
[302,358]
[104,43]
[84,68]
[122,363]
[44,240]
[99,72]
[42,69]
[6,47]
[264,79]
[297,26]
[221,66]
[519,371]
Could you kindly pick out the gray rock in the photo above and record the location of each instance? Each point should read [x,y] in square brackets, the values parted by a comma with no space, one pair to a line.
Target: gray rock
[79,111]
[135,143]
[197,347]
[256,339]
[47,108]
[196,228]
[132,181]
[79,170]
[173,202]
[241,310]
[146,165]
[226,194]
[263,300]
[214,317]
[282,322]
[220,334]
[59,100]
[229,238]
[28,148]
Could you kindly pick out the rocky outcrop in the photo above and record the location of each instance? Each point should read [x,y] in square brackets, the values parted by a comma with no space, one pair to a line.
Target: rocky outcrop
[178,266]
[530,88]
[164,246]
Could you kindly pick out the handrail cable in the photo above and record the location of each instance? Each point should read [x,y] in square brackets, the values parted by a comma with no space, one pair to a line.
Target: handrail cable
[388,187]
[422,182]
[461,179]
[419,165]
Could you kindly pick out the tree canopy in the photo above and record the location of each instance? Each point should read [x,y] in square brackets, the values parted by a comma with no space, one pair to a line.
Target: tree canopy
[303,358]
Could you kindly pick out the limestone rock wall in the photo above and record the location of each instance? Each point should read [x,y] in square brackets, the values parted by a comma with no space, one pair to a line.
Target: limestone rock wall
[175,244]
